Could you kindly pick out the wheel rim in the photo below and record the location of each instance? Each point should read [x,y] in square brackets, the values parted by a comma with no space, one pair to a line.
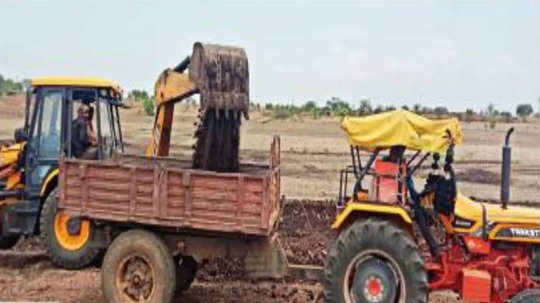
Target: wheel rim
[372,287]
[135,279]
[67,240]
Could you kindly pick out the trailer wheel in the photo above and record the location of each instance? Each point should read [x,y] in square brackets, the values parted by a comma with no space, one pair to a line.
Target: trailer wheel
[67,240]
[185,273]
[374,261]
[138,267]
[527,296]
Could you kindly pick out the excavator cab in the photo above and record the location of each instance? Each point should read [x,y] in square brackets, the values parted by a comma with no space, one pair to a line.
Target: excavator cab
[29,167]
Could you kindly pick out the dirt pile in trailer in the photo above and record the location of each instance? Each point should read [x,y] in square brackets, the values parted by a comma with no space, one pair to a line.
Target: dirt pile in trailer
[27,274]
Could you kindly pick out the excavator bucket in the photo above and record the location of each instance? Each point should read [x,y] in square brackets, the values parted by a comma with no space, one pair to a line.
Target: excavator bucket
[220,74]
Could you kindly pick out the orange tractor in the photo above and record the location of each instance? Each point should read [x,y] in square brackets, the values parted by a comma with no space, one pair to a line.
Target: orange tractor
[395,244]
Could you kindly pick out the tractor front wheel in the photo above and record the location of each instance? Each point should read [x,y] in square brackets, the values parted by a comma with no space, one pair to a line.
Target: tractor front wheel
[527,296]
[375,261]
[67,240]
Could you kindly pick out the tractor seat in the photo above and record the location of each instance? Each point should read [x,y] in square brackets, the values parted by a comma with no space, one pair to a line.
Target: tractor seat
[472,210]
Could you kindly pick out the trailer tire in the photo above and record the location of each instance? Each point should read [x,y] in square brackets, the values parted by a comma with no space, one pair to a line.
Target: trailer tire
[138,263]
[185,273]
[527,296]
[81,254]
[351,273]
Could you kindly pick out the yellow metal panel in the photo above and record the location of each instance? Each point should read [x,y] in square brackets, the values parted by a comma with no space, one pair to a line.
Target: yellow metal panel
[472,210]
[370,208]
[10,154]
[49,178]
[161,133]
[76,81]
[493,234]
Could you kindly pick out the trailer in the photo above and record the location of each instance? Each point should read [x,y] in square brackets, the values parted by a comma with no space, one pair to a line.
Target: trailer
[161,220]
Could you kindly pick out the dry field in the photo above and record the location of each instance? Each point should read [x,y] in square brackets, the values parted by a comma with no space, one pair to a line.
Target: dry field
[313,152]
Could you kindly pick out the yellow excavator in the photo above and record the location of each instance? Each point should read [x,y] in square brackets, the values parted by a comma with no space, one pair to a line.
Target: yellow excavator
[220,75]
[29,164]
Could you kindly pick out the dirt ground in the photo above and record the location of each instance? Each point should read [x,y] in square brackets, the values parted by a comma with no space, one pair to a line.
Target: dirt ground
[27,274]
[313,152]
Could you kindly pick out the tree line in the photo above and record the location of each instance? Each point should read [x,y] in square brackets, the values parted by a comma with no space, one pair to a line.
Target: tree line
[334,107]
[337,107]
[11,87]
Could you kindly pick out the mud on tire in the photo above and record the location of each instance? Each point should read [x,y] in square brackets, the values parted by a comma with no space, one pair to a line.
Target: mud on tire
[527,296]
[386,240]
[138,264]
[69,259]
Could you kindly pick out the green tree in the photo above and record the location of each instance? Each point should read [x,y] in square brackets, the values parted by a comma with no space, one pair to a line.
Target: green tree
[338,107]
[365,108]
[378,109]
[148,106]
[309,106]
[469,115]
[491,111]
[417,108]
[440,110]
[524,110]
[9,86]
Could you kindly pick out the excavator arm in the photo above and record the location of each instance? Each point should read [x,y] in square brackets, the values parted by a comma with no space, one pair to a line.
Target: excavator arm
[172,86]
[220,75]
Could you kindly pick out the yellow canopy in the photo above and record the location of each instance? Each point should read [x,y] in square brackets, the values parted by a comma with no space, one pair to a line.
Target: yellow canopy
[401,127]
[76,81]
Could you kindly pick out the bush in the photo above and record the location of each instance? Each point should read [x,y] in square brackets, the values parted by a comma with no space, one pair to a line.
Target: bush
[148,106]
[524,110]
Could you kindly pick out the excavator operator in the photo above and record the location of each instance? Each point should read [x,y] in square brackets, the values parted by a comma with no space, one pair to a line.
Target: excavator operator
[83,136]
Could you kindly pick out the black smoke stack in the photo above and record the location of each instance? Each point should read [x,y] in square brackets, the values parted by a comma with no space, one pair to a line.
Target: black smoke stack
[506,166]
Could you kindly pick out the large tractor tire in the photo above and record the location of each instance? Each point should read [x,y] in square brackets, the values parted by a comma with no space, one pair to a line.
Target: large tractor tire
[527,296]
[374,261]
[68,241]
[138,267]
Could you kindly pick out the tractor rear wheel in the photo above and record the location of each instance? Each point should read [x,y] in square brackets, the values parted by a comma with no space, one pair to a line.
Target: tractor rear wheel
[67,240]
[527,296]
[138,267]
[375,261]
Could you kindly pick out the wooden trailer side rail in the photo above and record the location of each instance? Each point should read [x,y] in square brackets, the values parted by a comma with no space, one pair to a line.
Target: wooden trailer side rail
[165,193]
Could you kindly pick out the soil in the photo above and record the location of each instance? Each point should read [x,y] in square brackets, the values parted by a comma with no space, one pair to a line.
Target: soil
[27,274]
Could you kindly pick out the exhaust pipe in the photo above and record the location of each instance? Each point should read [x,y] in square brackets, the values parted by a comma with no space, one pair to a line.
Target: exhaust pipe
[505,173]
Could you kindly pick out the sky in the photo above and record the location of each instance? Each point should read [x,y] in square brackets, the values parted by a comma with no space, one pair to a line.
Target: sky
[459,54]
